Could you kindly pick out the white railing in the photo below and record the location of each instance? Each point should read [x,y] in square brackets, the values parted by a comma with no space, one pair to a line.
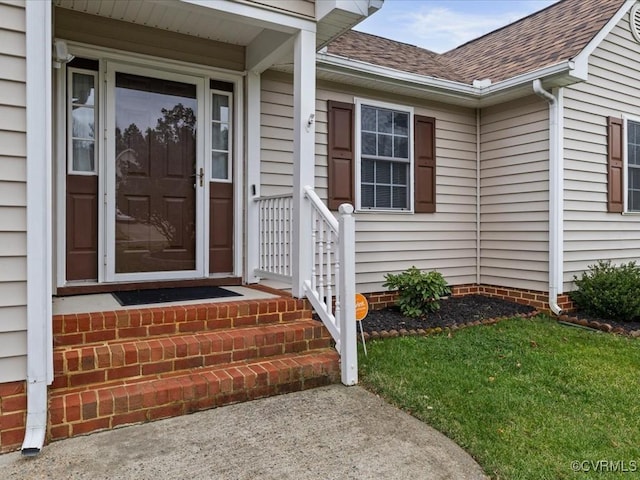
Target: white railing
[276,225]
[331,288]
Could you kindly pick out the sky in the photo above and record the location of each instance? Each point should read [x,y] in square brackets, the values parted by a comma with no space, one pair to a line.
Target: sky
[440,25]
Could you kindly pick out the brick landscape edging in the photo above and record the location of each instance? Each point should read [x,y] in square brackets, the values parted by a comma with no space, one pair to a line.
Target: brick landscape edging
[596,325]
[375,335]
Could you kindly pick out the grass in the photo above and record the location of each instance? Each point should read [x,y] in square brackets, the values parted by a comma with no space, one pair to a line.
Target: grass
[525,398]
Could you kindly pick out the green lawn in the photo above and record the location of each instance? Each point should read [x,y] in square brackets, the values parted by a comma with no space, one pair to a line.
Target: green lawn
[525,398]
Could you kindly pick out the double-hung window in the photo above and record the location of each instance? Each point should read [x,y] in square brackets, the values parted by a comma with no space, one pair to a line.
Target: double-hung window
[633,165]
[381,157]
[385,153]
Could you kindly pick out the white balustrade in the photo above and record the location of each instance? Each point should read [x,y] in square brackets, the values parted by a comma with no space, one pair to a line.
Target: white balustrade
[275,217]
[331,288]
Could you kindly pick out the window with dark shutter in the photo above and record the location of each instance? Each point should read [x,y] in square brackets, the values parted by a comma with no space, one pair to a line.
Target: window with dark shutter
[384,168]
[341,154]
[615,201]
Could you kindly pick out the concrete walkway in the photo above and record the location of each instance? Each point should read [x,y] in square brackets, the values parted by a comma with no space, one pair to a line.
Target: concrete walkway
[332,432]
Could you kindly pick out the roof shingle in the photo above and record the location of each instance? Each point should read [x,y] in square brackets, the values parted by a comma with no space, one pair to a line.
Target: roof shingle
[550,36]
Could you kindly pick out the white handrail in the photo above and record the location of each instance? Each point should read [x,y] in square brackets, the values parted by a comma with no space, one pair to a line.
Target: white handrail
[322,208]
[331,286]
[333,273]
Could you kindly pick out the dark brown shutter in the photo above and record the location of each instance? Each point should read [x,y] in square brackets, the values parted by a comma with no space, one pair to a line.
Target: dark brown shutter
[425,164]
[341,154]
[615,199]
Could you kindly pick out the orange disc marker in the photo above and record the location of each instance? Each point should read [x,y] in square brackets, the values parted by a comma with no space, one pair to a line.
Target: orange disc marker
[362,306]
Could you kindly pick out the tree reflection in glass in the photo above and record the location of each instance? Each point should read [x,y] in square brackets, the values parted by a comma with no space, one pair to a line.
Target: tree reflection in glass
[154,165]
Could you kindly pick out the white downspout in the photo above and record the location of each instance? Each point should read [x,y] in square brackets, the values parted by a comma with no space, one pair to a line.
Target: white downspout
[478,196]
[39,248]
[556,191]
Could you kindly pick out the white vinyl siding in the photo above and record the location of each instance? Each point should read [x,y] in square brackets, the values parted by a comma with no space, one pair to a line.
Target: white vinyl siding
[13,217]
[613,89]
[387,242]
[514,195]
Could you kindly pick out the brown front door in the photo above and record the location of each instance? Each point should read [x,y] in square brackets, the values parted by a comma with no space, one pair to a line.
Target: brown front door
[164,169]
[155,182]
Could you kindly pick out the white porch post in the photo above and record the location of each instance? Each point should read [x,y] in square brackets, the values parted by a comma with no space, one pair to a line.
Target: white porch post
[304,99]
[253,176]
[347,293]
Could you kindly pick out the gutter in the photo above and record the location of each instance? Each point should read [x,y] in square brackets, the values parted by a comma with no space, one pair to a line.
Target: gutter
[556,191]
[474,94]
[356,68]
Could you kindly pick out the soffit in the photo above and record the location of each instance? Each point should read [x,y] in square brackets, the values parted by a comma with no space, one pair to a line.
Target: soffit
[172,16]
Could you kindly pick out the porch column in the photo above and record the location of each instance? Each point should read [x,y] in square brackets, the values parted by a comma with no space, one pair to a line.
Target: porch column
[304,99]
[253,176]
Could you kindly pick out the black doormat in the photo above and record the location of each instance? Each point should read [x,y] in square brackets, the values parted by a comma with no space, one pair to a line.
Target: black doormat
[162,295]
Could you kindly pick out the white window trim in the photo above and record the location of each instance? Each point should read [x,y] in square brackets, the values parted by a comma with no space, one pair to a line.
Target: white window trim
[359,102]
[625,163]
[230,145]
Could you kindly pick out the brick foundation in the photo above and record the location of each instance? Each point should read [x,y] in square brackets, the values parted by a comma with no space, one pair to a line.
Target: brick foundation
[534,298]
[13,415]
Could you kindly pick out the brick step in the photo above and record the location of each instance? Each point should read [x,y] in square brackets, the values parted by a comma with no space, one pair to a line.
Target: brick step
[120,359]
[84,328]
[176,393]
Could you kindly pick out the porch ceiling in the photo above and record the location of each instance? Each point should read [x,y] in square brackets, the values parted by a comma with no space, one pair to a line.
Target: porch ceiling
[173,16]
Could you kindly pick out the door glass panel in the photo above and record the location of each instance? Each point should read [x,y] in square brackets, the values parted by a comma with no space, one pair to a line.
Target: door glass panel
[154,166]
[219,165]
[83,122]
[220,151]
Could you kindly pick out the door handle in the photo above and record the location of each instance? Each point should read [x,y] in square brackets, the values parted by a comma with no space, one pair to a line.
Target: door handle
[200,176]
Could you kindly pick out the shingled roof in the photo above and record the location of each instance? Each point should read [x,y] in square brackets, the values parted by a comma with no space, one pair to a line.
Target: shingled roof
[550,36]
[389,53]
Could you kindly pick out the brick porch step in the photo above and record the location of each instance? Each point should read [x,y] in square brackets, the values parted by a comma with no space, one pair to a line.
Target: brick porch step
[73,412]
[137,365]
[86,328]
[77,366]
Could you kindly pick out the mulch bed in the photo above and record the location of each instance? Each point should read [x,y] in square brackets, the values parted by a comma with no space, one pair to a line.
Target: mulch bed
[454,313]
[457,312]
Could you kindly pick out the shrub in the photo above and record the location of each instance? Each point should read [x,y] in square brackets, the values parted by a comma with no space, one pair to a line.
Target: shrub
[609,291]
[418,292]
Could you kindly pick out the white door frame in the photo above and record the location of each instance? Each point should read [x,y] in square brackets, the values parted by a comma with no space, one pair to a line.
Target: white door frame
[154,65]
[109,173]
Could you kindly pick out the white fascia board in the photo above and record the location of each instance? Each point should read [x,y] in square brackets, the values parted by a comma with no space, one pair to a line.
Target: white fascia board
[258,16]
[474,96]
[582,59]
[356,68]
[563,68]
[358,7]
